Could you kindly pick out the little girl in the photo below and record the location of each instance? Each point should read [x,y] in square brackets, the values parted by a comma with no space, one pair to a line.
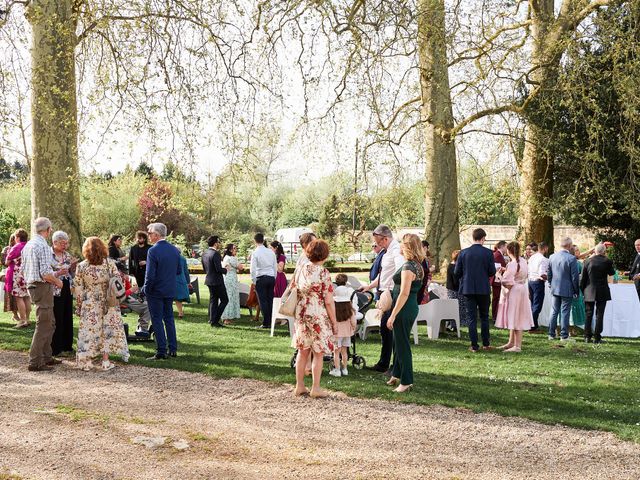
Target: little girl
[346,318]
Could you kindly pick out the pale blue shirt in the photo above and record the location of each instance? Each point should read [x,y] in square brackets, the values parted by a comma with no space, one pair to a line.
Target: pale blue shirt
[263,263]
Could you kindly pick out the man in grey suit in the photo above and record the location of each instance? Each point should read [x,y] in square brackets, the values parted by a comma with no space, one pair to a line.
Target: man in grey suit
[595,287]
[563,277]
[634,269]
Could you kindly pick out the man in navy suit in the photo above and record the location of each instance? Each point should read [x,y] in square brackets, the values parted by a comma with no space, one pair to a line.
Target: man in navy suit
[160,288]
[473,269]
[563,277]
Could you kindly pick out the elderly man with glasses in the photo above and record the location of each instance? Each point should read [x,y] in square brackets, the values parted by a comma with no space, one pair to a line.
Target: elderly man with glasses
[389,264]
[40,280]
[160,288]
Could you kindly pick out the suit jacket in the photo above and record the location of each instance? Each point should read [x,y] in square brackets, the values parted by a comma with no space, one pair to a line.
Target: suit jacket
[212,264]
[375,268]
[163,264]
[473,269]
[634,269]
[595,281]
[563,275]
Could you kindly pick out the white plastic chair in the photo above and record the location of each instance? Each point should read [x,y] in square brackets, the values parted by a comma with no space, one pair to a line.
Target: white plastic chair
[275,315]
[433,313]
[371,322]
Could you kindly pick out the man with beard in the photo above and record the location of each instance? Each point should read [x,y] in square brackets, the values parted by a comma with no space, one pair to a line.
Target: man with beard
[138,258]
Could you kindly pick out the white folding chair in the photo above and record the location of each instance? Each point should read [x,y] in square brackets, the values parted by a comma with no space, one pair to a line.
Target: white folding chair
[275,315]
[371,322]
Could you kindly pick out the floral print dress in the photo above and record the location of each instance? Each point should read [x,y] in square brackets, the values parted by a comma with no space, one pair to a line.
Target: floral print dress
[100,330]
[313,326]
[232,310]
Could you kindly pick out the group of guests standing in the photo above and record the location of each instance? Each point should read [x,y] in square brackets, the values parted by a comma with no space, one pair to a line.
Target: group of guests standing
[52,278]
[221,269]
[518,288]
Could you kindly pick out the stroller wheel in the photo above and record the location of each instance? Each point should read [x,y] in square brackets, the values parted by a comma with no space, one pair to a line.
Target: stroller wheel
[293,360]
[359,362]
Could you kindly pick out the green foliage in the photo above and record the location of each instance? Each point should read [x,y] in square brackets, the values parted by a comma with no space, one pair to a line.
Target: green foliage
[487,199]
[592,125]
[109,205]
[15,199]
[8,225]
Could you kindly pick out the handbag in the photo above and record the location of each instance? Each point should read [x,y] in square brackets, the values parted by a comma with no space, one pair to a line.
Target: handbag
[289,300]
[385,302]
[116,291]
[252,299]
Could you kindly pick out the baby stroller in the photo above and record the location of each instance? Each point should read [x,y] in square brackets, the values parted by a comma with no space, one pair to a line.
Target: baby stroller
[365,300]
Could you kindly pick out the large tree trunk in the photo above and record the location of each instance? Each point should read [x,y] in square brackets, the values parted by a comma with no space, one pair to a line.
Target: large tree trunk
[441,199]
[536,169]
[54,169]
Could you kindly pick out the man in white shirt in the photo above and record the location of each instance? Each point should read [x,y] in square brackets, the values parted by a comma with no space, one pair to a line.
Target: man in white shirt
[264,267]
[538,267]
[389,264]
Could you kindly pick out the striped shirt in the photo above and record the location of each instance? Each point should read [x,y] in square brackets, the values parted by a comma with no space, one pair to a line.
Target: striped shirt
[36,260]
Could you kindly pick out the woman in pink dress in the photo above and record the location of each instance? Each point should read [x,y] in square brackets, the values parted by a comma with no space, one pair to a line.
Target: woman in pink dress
[16,284]
[514,310]
[281,278]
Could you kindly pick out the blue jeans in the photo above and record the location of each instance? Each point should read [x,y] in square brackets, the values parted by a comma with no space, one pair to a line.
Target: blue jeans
[536,294]
[161,311]
[560,304]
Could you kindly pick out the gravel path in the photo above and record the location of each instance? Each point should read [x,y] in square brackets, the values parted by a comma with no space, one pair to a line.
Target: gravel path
[70,424]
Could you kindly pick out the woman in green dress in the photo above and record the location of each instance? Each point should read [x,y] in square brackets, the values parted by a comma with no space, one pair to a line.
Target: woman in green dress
[578,313]
[407,282]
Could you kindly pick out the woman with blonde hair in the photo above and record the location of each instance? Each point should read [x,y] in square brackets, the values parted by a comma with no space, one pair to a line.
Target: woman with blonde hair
[100,330]
[407,282]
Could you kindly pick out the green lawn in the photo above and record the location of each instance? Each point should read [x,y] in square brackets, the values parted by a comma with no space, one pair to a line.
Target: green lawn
[580,385]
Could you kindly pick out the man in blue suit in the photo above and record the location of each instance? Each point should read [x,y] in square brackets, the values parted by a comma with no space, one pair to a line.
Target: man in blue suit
[474,267]
[564,279]
[160,288]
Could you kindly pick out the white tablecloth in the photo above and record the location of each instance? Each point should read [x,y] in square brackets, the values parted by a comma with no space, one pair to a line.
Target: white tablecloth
[621,317]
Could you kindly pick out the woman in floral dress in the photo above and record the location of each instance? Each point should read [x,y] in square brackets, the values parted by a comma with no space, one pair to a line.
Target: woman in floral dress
[100,330]
[230,262]
[17,284]
[315,321]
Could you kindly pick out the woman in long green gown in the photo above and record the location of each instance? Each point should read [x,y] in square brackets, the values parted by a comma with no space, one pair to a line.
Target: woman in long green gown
[578,313]
[407,282]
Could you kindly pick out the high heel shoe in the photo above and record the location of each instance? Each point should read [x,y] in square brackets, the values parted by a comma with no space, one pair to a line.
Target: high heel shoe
[403,388]
[505,346]
[393,381]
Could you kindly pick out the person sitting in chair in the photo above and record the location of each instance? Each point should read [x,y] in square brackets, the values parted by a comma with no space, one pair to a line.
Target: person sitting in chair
[136,303]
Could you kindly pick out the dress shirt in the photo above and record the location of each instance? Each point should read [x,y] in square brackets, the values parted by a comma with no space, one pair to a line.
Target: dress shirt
[538,266]
[36,260]
[389,265]
[263,263]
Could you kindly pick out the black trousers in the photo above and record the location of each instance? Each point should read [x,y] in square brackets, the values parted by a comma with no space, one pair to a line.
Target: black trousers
[218,301]
[599,308]
[386,336]
[478,306]
[264,290]
[62,340]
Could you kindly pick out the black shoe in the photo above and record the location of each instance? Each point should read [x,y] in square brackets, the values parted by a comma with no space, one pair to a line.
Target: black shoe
[54,361]
[173,354]
[42,368]
[263,326]
[217,325]
[157,356]
[587,340]
[598,342]
[379,368]
[141,333]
